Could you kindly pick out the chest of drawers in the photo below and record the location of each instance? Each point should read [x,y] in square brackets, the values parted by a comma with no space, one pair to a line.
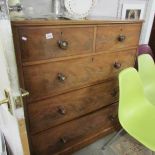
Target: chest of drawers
[70,69]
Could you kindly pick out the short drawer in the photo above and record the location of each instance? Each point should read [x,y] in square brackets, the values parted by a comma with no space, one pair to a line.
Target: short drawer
[67,137]
[45,80]
[117,36]
[48,113]
[38,43]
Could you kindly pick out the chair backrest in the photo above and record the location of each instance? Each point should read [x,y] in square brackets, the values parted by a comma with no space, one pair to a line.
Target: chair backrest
[146,69]
[130,86]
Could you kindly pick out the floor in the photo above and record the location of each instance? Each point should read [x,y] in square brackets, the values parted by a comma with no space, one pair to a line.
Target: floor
[122,145]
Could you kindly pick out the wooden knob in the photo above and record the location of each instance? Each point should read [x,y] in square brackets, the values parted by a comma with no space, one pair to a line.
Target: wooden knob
[114,93]
[63,140]
[63,44]
[117,65]
[62,110]
[61,77]
[112,118]
[121,38]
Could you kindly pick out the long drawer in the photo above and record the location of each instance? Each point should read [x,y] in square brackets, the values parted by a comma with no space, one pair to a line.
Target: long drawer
[54,111]
[66,138]
[117,36]
[38,43]
[54,78]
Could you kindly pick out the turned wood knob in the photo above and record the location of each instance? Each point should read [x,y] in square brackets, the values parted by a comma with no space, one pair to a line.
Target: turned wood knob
[62,110]
[121,38]
[63,140]
[61,77]
[112,118]
[63,44]
[117,65]
[114,93]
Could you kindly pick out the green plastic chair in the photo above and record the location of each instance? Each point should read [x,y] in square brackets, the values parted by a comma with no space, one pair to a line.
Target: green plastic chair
[146,69]
[136,113]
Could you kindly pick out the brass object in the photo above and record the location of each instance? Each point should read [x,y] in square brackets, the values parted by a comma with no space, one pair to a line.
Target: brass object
[7,101]
[24,93]
[19,99]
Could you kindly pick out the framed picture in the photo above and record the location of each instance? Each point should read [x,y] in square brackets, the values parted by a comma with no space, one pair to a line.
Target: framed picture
[133,11]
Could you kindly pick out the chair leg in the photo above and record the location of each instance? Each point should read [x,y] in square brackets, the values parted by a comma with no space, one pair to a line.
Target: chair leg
[112,139]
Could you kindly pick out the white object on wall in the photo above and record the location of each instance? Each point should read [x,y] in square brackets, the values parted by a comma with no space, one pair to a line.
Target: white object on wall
[78,8]
[133,6]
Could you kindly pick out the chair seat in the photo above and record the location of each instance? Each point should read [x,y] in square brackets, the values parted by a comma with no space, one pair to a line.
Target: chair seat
[136,112]
[140,125]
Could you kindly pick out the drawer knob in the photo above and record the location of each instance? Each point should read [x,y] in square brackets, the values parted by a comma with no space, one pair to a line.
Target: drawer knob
[121,38]
[63,44]
[114,93]
[112,118]
[117,65]
[63,140]
[61,77]
[62,110]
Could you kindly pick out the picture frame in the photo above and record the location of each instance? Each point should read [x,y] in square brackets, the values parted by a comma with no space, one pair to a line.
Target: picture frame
[133,11]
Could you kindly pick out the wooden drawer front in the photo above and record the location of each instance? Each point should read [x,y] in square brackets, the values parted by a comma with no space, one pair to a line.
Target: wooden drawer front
[74,133]
[54,78]
[35,45]
[108,37]
[65,107]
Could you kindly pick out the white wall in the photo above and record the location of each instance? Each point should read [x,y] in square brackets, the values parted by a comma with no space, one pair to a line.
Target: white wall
[103,7]
[147,26]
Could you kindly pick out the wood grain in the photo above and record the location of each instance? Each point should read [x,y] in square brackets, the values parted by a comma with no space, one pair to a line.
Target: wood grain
[107,36]
[42,80]
[58,139]
[57,110]
[38,47]
[72,22]
[72,91]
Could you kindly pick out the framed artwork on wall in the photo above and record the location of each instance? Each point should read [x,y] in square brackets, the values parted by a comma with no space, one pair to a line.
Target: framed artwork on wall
[133,11]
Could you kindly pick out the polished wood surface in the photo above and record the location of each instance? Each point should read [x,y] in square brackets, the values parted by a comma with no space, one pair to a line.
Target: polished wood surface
[72,79]
[63,108]
[62,138]
[43,43]
[76,73]
[45,22]
[108,37]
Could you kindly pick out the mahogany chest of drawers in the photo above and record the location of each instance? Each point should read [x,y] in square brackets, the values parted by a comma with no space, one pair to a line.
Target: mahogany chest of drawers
[70,69]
